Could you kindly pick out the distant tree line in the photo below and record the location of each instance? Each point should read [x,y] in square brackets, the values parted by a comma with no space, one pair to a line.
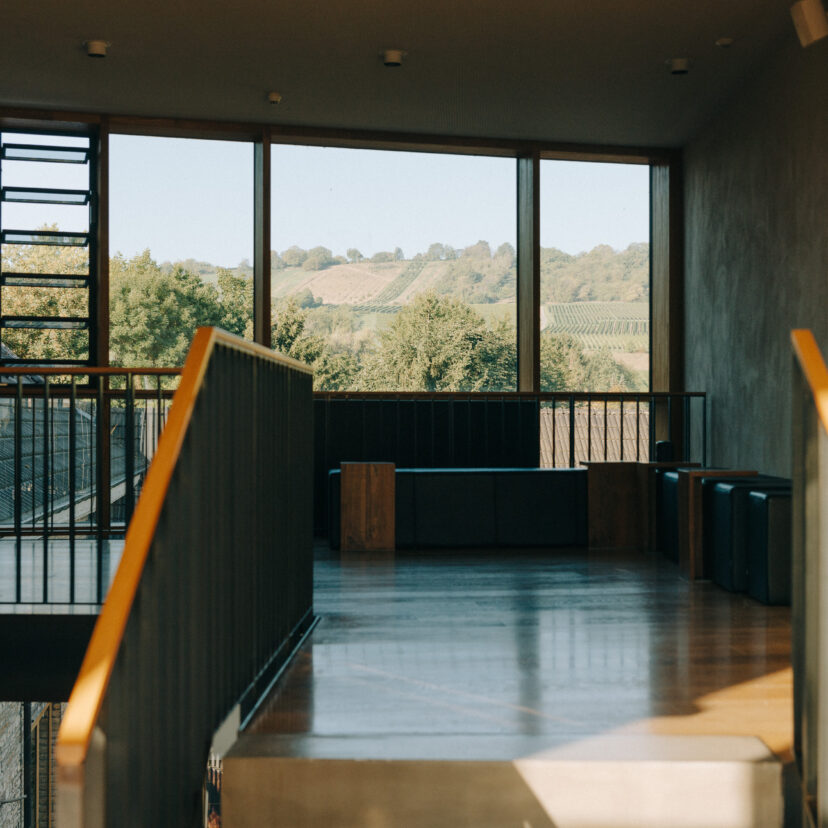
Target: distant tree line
[434,343]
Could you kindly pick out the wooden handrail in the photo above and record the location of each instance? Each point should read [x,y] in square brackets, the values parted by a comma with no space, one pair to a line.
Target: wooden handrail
[813,369]
[87,696]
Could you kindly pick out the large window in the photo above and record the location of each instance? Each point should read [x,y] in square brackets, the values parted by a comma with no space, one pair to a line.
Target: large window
[181,239]
[595,276]
[395,270]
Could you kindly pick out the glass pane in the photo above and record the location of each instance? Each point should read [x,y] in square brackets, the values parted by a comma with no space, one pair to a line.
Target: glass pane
[45,196]
[36,323]
[395,270]
[45,344]
[595,276]
[45,237]
[181,230]
[44,301]
[53,281]
[46,154]
[40,217]
[36,259]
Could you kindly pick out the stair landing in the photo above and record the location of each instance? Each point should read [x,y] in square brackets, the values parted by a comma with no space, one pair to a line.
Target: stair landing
[557,689]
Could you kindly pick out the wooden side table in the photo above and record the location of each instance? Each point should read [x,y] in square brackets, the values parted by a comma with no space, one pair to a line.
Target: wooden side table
[614,504]
[691,516]
[647,492]
[367,507]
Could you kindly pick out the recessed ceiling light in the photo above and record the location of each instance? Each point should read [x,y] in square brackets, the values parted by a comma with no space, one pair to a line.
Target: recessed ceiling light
[724,42]
[96,48]
[393,57]
[274,98]
[679,66]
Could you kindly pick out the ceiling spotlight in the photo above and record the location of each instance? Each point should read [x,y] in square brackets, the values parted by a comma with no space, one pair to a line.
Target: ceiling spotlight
[810,21]
[96,48]
[724,42]
[393,57]
[679,66]
[274,98]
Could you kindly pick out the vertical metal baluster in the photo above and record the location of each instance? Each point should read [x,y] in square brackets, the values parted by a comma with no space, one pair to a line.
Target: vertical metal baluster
[100,489]
[606,436]
[554,423]
[158,413]
[589,428]
[670,417]
[18,488]
[621,417]
[129,448]
[46,436]
[571,431]
[73,401]
[686,453]
[652,427]
[637,427]
[704,432]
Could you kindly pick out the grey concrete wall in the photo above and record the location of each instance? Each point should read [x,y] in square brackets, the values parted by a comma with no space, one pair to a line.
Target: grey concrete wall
[756,252]
[11,763]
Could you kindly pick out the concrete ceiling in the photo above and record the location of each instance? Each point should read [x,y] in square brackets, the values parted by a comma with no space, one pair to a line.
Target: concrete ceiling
[561,70]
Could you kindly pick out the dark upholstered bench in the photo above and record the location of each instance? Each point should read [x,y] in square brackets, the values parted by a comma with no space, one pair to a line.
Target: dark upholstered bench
[482,507]
[769,546]
[667,539]
[726,526]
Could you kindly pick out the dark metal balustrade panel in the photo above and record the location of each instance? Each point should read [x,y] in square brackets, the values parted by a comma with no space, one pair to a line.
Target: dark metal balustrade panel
[228,580]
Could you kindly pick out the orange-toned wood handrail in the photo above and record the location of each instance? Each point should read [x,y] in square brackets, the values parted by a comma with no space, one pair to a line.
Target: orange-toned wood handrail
[813,369]
[87,696]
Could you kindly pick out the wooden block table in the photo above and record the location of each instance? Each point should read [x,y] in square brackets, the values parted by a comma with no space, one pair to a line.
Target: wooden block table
[367,507]
[691,513]
[614,505]
[647,493]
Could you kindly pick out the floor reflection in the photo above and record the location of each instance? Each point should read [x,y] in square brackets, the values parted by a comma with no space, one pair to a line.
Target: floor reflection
[563,645]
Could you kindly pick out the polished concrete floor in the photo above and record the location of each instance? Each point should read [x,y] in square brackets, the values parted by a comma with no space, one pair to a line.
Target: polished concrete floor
[555,647]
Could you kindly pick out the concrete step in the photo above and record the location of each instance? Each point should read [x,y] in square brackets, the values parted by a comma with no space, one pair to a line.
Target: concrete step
[404,781]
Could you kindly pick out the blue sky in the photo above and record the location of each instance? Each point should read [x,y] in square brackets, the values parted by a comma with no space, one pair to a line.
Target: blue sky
[193,199]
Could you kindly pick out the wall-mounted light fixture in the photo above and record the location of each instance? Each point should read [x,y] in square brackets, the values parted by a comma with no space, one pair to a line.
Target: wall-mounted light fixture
[96,48]
[274,98]
[810,21]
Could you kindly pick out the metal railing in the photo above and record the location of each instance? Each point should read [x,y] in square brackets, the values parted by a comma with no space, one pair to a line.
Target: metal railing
[500,429]
[809,605]
[213,590]
[75,444]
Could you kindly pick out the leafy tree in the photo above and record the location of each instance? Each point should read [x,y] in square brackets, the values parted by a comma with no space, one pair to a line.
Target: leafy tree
[399,256]
[306,299]
[294,256]
[506,253]
[236,298]
[154,315]
[436,252]
[566,367]
[318,259]
[437,343]
[382,256]
[333,370]
[481,250]
[354,255]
